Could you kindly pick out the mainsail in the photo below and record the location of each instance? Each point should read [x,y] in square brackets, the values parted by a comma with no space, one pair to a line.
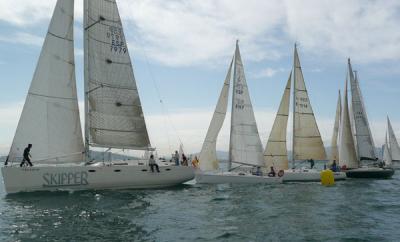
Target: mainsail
[208,154]
[50,117]
[365,143]
[275,153]
[347,152]
[393,146]
[245,145]
[386,156]
[334,146]
[307,142]
[114,116]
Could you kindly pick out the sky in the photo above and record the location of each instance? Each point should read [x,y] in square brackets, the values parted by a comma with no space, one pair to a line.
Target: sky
[181,51]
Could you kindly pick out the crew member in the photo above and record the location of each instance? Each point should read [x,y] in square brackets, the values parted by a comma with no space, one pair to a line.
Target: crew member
[27,156]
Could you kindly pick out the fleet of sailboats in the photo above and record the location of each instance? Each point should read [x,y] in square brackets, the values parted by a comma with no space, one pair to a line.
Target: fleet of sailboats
[114,120]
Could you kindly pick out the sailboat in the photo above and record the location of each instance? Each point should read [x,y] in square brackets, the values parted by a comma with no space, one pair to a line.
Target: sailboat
[386,155]
[245,148]
[392,146]
[113,112]
[357,162]
[307,142]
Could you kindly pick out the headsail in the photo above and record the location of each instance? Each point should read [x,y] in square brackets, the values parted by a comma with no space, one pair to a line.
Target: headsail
[307,142]
[347,151]
[50,117]
[114,116]
[365,143]
[275,153]
[386,156]
[334,146]
[208,154]
[393,145]
[245,144]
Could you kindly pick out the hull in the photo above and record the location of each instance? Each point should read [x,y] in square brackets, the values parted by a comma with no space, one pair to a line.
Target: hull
[370,172]
[234,177]
[308,175]
[55,178]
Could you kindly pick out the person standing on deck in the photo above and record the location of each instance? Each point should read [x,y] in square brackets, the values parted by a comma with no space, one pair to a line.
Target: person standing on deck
[27,156]
[152,164]
[176,158]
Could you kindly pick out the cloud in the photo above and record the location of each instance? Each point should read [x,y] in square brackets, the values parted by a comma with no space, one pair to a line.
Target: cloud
[23,38]
[267,72]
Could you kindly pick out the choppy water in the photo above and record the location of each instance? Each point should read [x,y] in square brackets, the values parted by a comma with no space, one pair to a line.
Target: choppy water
[354,210]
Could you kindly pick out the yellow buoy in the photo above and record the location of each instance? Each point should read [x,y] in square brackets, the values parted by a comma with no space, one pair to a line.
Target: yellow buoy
[327,178]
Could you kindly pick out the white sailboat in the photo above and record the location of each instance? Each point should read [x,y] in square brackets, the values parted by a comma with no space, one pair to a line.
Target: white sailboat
[392,145]
[307,142]
[386,154]
[113,112]
[360,166]
[245,147]
[335,134]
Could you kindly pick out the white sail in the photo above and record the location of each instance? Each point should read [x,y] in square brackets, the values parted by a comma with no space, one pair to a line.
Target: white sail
[365,143]
[50,117]
[347,151]
[334,146]
[275,153]
[208,155]
[393,145]
[386,156]
[245,144]
[307,142]
[113,109]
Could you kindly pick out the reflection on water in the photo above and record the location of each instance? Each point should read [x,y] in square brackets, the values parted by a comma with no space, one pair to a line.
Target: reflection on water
[355,209]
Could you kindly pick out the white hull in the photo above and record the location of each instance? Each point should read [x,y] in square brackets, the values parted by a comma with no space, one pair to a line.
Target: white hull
[308,175]
[233,177]
[80,177]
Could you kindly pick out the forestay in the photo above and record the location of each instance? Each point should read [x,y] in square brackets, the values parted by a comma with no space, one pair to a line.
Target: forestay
[114,112]
[208,154]
[334,146]
[275,153]
[347,152]
[393,145]
[245,144]
[50,117]
[307,142]
[365,143]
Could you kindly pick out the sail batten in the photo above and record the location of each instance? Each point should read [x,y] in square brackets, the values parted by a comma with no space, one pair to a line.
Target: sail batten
[275,153]
[50,116]
[113,108]
[307,141]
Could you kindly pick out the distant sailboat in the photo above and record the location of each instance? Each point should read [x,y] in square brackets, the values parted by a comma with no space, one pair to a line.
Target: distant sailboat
[113,111]
[364,142]
[245,147]
[334,143]
[386,154]
[307,142]
[392,145]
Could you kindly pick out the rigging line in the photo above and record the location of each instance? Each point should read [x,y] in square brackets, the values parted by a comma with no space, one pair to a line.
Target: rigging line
[163,106]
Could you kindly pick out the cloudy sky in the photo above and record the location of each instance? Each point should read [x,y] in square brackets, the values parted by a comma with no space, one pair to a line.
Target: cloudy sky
[181,51]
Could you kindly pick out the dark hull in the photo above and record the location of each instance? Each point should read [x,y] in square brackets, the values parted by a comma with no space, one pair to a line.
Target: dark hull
[374,173]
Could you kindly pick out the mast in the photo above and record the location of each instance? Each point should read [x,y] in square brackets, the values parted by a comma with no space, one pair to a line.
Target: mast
[294,105]
[233,101]
[86,78]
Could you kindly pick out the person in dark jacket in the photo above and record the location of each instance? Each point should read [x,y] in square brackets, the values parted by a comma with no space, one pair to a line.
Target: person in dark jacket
[152,164]
[27,156]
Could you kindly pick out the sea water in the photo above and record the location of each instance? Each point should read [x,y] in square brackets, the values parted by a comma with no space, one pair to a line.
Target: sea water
[352,210]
